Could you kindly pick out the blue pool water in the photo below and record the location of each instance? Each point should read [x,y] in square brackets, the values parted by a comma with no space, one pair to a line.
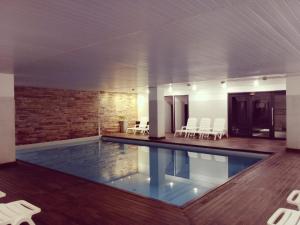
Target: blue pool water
[170,175]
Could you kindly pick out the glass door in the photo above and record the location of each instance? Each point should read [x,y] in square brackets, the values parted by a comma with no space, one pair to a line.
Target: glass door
[239,116]
[262,111]
[279,115]
[257,114]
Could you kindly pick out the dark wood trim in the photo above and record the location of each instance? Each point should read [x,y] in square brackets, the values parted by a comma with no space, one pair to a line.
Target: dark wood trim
[294,150]
[157,138]
[4,165]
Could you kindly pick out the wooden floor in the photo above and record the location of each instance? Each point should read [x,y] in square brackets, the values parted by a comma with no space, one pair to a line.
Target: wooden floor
[248,199]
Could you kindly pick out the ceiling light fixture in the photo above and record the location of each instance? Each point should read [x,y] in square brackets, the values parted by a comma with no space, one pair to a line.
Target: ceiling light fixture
[223,84]
[194,87]
[256,83]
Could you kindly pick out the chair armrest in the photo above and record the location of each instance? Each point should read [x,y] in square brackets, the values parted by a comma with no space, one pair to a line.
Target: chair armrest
[294,198]
[2,194]
[282,216]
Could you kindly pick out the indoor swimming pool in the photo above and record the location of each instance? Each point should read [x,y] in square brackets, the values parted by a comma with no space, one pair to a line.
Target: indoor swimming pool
[174,176]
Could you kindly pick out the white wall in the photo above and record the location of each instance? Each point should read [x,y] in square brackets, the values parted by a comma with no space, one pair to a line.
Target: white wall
[7,119]
[293,112]
[210,97]
[143,105]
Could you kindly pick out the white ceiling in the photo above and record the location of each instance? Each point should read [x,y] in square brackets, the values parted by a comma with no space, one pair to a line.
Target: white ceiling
[115,44]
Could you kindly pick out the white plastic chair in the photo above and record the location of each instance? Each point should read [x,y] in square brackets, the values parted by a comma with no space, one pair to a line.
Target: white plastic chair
[218,130]
[285,217]
[190,127]
[205,126]
[142,127]
[18,212]
[143,130]
[2,194]
[294,198]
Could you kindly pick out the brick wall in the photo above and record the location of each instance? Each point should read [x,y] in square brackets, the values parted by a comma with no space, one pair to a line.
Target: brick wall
[44,114]
[50,114]
[114,105]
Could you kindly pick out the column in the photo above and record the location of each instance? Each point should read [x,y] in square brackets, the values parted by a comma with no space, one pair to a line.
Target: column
[293,112]
[156,113]
[7,119]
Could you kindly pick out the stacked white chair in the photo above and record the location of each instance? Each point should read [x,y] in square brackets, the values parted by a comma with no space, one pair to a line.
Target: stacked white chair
[190,127]
[294,198]
[205,126]
[18,212]
[142,127]
[284,216]
[218,130]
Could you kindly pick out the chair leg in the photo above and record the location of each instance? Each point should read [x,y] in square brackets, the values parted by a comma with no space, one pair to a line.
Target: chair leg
[27,220]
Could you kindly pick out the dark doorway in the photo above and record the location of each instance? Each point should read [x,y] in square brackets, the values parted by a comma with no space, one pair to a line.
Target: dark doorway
[176,112]
[257,114]
[169,114]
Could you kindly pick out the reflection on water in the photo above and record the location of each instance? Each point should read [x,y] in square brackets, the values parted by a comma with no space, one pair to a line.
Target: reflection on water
[170,175]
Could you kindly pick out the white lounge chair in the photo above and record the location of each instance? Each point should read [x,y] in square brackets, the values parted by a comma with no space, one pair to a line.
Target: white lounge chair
[218,130]
[18,212]
[142,127]
[285,217]
[2,194]
[204,127]
[190,127]
[294,198]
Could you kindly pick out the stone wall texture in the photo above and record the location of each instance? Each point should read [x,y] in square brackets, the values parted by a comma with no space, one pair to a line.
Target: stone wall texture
[112,106]
[44,114]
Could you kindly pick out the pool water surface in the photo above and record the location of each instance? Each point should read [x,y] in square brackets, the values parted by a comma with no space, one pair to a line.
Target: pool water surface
[170,175]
